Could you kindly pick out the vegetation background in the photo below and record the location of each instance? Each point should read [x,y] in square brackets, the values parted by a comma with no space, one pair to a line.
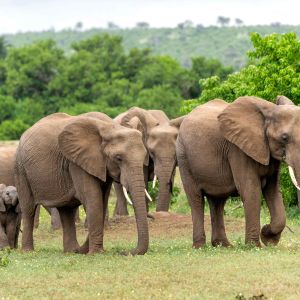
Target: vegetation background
[113,69]
[173,69]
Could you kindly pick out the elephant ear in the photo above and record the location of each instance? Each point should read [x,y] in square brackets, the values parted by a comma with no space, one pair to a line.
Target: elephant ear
[135,123]
[2,205]
[80,142]
[242,123]
[17,208]
[282,100]
[176,122]
[146,119]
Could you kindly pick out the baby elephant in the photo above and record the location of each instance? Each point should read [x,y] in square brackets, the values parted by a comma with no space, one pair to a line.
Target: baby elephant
[10,216]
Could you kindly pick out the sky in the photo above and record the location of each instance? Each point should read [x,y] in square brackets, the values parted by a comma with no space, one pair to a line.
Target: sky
[37,15]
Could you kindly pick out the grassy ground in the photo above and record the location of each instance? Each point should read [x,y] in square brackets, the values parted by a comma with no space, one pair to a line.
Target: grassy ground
[170,270]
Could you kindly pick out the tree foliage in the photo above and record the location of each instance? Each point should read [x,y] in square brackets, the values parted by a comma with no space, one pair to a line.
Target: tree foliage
[273,70]
[97,75]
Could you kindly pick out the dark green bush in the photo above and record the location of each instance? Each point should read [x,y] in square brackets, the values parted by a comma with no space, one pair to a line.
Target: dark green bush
[288,190]
[12,129]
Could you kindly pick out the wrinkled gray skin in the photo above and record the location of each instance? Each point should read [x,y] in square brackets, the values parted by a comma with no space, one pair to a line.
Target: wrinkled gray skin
[159,135]
[64,161]
[235,149]
[7,163]
[10,217]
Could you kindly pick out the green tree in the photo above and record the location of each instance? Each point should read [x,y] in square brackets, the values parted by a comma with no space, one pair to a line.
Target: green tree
[3,47]
[273,70]
[202,68]
[7,107]
[96,62]
[30,70]
[160,97]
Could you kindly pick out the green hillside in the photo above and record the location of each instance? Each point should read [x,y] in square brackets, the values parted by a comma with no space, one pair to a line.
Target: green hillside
[229,44]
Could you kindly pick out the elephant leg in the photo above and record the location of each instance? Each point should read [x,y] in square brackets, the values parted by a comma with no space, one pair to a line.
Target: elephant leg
[11,232]
[37,217]
[121,203]
[89,191]
[248,184]
[106,192]
[67,216]
[77,216]
[270,233]
[3,238]
[218,235]
[55,219]
[105,223]
[196,202]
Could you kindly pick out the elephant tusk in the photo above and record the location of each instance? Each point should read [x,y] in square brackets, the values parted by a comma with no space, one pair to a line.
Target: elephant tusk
[154,181]
[127,196]
[148,196]
[292,175]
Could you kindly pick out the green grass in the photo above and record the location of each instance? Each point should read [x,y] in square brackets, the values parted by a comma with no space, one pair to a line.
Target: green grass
[170,270]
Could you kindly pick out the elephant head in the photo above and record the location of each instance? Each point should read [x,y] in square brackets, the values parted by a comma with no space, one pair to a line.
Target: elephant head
[106,149]
[265,131]
[160,141]
[8,196]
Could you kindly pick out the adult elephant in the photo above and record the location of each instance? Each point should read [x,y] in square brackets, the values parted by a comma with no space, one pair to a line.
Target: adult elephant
[159,135]
[229,149]
[64,161]
[7,163]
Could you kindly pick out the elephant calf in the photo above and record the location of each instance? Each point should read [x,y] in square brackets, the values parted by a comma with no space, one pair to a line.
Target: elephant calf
[10,216]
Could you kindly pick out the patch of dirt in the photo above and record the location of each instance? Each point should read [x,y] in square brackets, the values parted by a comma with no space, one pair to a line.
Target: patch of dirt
[165,225]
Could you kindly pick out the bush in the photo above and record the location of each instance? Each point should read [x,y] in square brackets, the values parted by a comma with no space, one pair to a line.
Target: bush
[154,193]
[288,190]
[12,129]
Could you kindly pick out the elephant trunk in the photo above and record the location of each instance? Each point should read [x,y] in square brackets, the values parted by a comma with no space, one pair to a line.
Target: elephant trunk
[165,174]
[164,194]
[137,191]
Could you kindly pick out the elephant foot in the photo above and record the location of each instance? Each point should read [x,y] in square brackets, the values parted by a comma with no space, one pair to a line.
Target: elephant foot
[268,237]
[199,244]
[27,249]
[253,243]
[72,248]
[138,251]
[4,247]
[221,242]
[95,251]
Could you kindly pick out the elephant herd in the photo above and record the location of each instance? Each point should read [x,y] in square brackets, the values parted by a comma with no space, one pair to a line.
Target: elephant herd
[222,150]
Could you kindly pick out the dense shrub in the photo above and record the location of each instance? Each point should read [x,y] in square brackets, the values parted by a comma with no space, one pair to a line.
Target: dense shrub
[97,75]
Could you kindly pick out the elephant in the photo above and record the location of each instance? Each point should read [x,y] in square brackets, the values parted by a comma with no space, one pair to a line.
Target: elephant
[160,135]
[7,163]
[10,217]
[235,149]
[63,161]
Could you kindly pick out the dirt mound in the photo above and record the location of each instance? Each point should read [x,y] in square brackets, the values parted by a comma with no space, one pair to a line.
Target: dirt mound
[165,224]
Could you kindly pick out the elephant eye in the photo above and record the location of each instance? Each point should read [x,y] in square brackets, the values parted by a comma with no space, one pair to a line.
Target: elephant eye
[118,158]
[7,193]
[285,138]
